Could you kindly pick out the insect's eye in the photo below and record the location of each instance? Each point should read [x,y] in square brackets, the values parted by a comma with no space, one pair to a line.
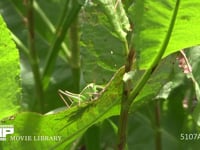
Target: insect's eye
[95,95]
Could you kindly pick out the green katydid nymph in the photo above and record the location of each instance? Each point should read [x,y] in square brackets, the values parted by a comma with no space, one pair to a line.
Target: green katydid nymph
[90,92]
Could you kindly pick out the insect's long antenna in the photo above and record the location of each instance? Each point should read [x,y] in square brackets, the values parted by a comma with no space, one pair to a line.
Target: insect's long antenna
[116,4]
[60,92]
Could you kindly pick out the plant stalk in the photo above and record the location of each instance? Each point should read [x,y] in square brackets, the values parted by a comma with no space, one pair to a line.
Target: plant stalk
[61,31]
[129,95]
[75,55]
[158,140]
[34,56]
[125,104]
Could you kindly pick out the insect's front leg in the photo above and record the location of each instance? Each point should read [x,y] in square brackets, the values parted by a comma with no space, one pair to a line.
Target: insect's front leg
[61,93]
[72,97]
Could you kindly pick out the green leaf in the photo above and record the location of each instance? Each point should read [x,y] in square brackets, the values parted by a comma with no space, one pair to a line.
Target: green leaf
[70,123]
[194,60]
[14,13]
[92,138]
[116,16]
[102,53]
[151,24]
[73,122]
[159,78]
[9,73]
[193,55]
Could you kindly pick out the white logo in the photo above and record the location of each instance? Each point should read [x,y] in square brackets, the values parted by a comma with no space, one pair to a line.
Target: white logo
[5,130]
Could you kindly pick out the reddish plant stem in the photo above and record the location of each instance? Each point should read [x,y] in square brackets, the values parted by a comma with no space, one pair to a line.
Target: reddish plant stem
[125,104]
[158,140]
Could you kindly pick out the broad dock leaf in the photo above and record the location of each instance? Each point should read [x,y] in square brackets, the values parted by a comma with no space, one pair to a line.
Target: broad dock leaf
[151,23]
[9,73]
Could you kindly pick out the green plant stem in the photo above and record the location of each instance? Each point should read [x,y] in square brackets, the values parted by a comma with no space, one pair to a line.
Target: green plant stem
[33,55]
[50,25]
[61,31]
[158,140]
[75,55]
